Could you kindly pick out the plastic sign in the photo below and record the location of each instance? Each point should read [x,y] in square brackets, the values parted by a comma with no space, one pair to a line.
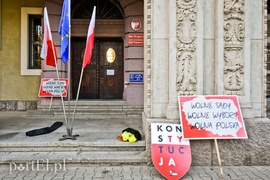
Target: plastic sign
[136,36]
[49,87]
[135,77]
[171,154]
[133,42]
[136,39]
[211,117]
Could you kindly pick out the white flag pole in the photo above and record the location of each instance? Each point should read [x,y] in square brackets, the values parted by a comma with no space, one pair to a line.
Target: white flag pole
[89,48]
[69,65]
[77,97]
[89,33]
[55,61]
[69,128]
[57,72]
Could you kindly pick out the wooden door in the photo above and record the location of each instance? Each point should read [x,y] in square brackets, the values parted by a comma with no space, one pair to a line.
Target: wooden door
[111,73]
[101,79]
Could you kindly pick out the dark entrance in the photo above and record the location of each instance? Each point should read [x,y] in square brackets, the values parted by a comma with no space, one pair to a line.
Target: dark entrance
[103,78]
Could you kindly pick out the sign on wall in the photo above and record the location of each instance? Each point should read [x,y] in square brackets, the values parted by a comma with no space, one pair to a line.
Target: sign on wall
[171,154]
[49,87]
[211,117]
[136,24]
[135,77]
[135,39]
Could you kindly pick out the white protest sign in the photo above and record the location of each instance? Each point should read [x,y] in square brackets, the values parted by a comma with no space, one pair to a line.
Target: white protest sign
[53,87]
[211,117]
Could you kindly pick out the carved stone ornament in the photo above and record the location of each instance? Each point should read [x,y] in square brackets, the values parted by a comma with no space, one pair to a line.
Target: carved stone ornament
[234,35]
[186,47]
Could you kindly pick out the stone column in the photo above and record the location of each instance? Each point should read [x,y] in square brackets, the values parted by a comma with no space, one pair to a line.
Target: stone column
[256,55]
[172,108]
[147,57]
[157,67]
[186,52]
[209,46]
[233,49]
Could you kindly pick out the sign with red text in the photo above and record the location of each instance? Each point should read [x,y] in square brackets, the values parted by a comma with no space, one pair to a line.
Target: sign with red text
[171,154]
[49,87]
[211,117]
[135,39]
[134,42]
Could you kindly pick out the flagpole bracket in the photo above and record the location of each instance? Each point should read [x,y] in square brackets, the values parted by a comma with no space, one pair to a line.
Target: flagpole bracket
[66,137]
[69,136]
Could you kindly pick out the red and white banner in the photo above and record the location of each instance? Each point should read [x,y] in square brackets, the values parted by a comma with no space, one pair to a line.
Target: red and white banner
[90,40]
[211,117]
[171,154]
[48,51]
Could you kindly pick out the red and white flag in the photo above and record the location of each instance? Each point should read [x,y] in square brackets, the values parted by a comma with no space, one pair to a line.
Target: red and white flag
[90,40]
[48,51]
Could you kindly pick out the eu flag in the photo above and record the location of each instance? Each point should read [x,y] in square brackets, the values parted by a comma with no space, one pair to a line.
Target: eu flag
[64,30]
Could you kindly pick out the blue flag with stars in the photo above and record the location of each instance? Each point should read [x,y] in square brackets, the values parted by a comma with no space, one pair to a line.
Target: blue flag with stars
[64,30]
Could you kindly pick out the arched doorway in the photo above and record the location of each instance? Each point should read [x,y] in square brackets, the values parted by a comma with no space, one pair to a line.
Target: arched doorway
[103,78]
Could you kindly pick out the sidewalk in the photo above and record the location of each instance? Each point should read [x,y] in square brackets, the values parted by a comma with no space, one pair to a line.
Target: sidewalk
[128,172]
[14,124]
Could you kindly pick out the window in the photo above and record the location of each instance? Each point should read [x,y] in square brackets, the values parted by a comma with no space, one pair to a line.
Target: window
[31,41]
[106,9]
[35,32]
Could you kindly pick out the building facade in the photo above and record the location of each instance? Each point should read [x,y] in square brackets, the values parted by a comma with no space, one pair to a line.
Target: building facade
[161,49]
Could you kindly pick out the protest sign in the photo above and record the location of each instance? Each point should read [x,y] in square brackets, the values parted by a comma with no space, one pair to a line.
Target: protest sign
[49,87]
[211,117]
[171,154]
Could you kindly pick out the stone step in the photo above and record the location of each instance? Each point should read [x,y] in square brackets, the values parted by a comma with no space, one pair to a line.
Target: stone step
[97,102]
[96,141]
[101,153]
[89,147]
[94,108]
[86,114]
[91,109]
[112,158]
[94,105]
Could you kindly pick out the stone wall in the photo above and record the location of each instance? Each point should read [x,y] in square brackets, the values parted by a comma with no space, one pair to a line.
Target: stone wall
[208,47]
[17,105]
[13,85]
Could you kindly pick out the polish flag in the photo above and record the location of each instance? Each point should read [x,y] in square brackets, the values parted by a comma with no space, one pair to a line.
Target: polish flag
[90,40]
[48,51]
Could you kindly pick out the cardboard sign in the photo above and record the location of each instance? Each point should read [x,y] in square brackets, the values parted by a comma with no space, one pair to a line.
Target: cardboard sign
[49,87]
[211,117]
[171,154]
